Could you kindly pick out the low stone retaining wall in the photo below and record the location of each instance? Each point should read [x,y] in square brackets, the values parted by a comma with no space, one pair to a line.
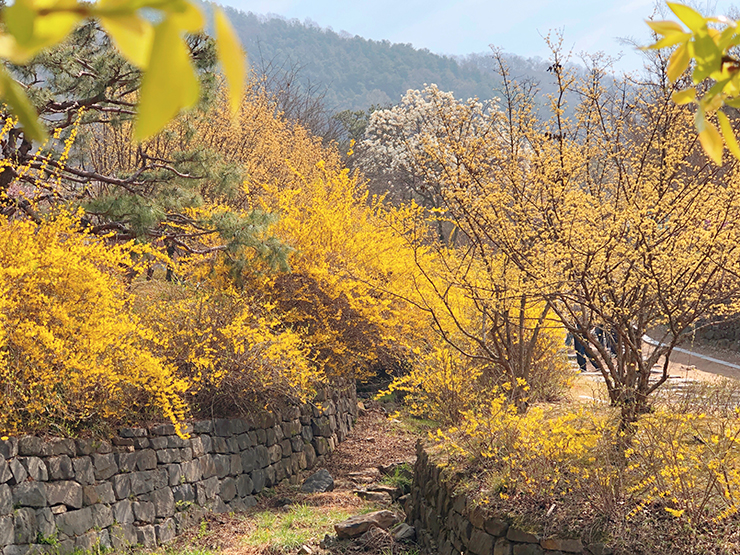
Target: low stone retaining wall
[447,524]
[148,485]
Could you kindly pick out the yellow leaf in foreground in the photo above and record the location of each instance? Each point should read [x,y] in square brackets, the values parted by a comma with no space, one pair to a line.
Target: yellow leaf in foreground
[14,95]
[712,143]
[728,134]
[133,37]
[685,96]
[679,62]
[232,58]
[184,15]
[665,27]
[169,84]
[688,16]
[34,30]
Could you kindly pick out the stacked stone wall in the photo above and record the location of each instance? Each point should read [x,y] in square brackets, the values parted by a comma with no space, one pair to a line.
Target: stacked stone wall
[148,485]
[449,524]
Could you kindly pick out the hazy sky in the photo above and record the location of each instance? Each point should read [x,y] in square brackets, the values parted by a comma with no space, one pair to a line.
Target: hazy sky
[465,26]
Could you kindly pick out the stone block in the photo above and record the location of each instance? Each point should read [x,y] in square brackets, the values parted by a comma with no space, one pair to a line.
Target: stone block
[88,543]
[141,443]
[258,480]
[104,465]
[25,525]
[160,478]
[105,493]
[235,465]
[158,443]
[260,436]
[203,426]
[174,474]
[222,464]
[244,485]
[207,466]
[102,516]
[274,453]
[146,459]
[166,531]
[133,432]
[218,506]
[196,444]
[5,473]
[286,446]
[29,494]
[310,456]
[31,446]
[84,470]
[121,484]
[296,444]
[164,502]
[122,536]
[176,442]
[36,468]
[249,460]
[186,454]
[321,445]
[127,461]
[75,523]
[183,494]
[219,445]
[526,549]
[126,442]
[168,456]
[206,490]
[269,474]
[481,543]
[306,434]
[18,472]
[207,443]
[564,545]
[46,523]
[9,447]
[123,512]
[84,447]
[239,426]
[6,499]
[227,489]
[67,493]
[270,437]
[103,447]
[232,444]
[321,427]
[245,442]
[222,427]
[62,446]
[358,525]
[191,471]
[162,430]
[496,527]
[7,530]
[144,511]
[518,535]
[146,536]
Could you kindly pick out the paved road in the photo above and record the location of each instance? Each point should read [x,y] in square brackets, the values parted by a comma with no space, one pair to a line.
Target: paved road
[702,362]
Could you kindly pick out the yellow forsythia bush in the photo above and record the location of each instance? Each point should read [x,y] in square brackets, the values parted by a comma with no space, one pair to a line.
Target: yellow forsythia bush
[232,349]
[683,467]
[71,353]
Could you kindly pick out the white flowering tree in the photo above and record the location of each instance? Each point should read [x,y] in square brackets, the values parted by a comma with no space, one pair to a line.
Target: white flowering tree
[401,148]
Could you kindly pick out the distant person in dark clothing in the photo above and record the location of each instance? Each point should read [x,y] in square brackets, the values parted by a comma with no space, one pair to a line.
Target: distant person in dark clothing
[581,355]
[608,340]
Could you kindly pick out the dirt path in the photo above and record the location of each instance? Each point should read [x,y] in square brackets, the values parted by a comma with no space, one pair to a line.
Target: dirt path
[285,519]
